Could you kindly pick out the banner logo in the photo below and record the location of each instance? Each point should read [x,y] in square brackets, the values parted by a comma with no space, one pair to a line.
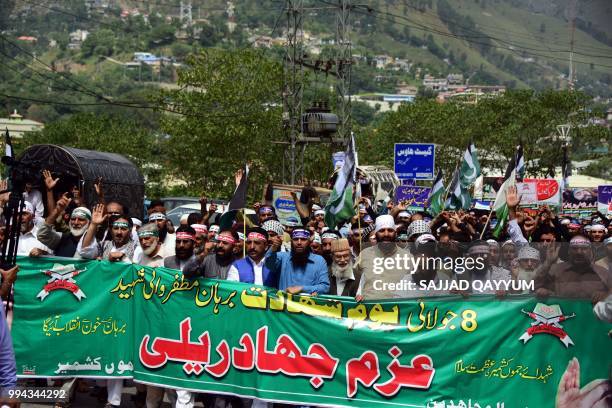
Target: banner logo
[547,320]
[62,277]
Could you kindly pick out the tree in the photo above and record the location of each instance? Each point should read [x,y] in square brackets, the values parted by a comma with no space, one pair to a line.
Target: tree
[180,51]
[229,102]
[208,35]
[362,113]
[101,42]
[496,125]
[161,35]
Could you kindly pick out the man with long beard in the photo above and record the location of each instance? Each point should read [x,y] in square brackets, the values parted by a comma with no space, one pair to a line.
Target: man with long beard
[298,271]
[184,246]
[379,273]
[528,263]
[343,281]
[166,238]
[151,247]
[29,245]
[217,264]
[578,277]
[121,247]
[327,238]
[482,271]
[64,244]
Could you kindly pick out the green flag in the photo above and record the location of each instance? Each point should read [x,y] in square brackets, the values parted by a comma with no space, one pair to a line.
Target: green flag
[516,165]
[470,166]
[436,195]
[459,196]
[499,206]
[339,207]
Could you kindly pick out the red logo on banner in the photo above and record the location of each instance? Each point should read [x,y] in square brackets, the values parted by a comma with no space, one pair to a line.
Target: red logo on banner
[547,319]
[61,277]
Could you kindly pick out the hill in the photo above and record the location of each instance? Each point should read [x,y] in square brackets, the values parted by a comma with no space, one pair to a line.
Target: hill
[395,43]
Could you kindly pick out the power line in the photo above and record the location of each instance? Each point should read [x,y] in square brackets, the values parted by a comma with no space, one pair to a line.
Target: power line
[124,104]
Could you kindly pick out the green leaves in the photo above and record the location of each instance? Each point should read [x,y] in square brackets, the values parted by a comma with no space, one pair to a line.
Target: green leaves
[496,125]
[229,103]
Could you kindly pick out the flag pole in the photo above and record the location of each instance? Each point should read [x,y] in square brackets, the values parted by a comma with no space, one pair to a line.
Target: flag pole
[359,228]
[244,232]
[449,186]
[487,222]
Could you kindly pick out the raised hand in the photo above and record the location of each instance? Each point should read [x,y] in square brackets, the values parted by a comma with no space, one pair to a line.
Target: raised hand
[98,217]
[62,203]
[238,176]
[98,187]
[512,197]
[50,182]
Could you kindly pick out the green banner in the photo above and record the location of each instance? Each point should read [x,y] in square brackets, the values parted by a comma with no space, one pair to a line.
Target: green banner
[101,319]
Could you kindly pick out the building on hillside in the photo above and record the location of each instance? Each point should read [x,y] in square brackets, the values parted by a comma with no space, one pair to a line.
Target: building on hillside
[17,126]
[455,79]
[404,89]
[401,65]
[435,84]
[384,102]
[76,39]
[381,61]
[469,93]
[146,58]
[264,41]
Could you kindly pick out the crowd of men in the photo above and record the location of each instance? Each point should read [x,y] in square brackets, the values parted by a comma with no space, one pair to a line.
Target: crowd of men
[560,255]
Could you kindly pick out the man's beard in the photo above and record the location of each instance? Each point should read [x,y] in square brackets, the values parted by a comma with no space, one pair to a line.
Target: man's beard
[184,254]
[300,259]
[580,260]
[77,232]
[26,226]
[342,272]
[162,234]
[119,242]
[150,249]
[327,257]
[225,258]
[526,272]
[481,271]
[387,246]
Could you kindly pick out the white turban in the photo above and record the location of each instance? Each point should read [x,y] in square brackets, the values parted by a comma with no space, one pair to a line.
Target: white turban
[527,252]
[28,207]
[384,221]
